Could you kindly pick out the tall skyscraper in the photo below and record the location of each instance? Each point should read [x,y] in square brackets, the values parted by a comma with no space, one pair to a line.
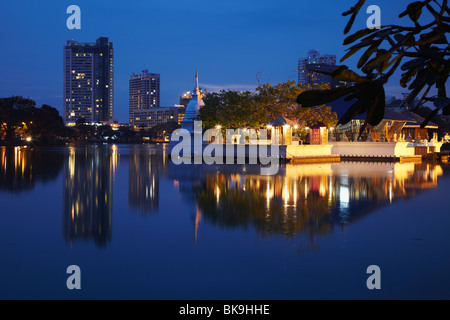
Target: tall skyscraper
[89,81]
[144,92]
[308,69]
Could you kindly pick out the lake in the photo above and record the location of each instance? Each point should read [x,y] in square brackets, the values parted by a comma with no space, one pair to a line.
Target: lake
[141,227]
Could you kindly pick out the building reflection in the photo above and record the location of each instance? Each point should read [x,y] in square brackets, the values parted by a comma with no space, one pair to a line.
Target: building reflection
[145,168]
[22,167]
[306,200]
[88,193]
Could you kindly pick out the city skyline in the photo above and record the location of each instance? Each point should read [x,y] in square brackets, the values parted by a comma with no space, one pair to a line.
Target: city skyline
[237,43]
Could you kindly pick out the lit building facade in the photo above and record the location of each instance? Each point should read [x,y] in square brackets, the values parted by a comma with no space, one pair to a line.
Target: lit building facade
[147,118]
[89,81]
[144,92]
[309,68]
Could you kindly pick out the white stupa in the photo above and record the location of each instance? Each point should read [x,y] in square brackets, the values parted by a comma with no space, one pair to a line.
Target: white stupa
[193,108]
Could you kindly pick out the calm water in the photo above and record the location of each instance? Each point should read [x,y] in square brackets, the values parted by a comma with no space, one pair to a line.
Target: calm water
[140,227]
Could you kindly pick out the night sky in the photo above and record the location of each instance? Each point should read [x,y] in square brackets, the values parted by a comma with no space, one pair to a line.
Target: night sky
[229,41]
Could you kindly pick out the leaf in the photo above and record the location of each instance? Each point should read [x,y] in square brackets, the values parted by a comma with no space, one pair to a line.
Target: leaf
[399,37]
[441,102]
[413,10]
[413,94]
[354,12]
[357,35]
[368,53]
[369,96]
[446,110]
[413,63]
[357,108]
[350,53]
[387,65]
[428,118]
[380,58]
[361,44]
[434,37]
[376,111]
[342,73]
[313,98]
[407,76]
[419,80]
[384,61]
[431,77]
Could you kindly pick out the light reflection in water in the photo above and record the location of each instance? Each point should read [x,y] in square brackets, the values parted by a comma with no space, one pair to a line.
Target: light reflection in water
[22,167]
[302,199]
[88,193]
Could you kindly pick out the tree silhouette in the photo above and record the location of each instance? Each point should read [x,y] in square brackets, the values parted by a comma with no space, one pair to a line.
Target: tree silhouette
[420,51]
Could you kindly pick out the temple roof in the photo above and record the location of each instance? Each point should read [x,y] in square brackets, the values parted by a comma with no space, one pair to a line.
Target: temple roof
[340,106]
[281,121]
[418,120]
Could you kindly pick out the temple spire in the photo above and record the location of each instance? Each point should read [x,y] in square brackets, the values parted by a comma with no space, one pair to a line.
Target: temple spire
[193,108]
[197,89]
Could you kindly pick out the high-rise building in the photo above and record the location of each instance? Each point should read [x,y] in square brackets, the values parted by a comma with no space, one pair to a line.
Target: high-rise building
[144,92]
[148,118]
[309,67]
[89,81]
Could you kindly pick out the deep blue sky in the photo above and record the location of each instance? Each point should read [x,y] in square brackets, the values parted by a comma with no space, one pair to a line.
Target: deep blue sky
[229,41]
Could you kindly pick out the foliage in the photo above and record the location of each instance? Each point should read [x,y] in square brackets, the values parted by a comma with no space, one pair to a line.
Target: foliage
[420,51]
[234,109]
[20,115]
[162,129]
[230,109]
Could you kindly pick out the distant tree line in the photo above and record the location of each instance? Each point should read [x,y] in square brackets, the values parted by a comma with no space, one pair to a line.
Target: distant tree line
[21,121]
[20,118]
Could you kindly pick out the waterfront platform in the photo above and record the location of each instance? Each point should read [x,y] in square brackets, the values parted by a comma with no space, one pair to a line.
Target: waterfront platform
[332,152]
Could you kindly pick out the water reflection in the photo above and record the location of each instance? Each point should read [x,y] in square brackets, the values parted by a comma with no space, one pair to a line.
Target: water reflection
[22,167]
[145,168]
[302,199]
[306,200]
[88,193]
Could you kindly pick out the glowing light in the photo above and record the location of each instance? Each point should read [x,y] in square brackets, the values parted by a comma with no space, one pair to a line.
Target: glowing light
[217,194]
[72,162]
[28,139]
